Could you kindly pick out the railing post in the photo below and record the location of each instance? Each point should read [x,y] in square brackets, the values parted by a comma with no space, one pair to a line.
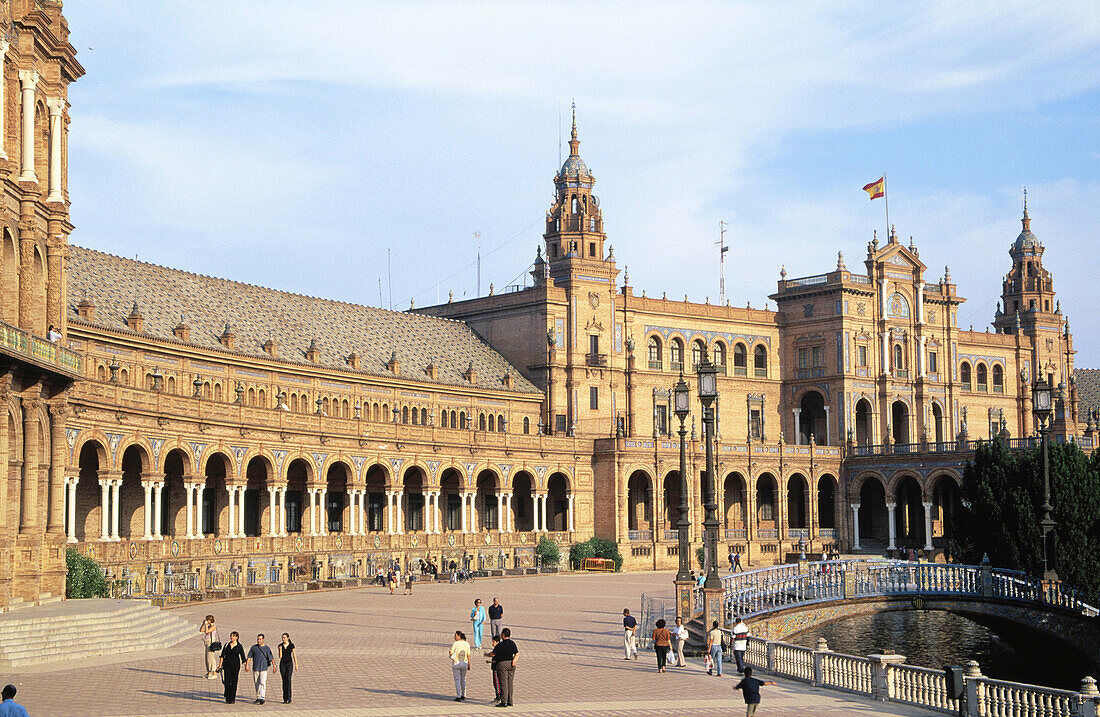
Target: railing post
[1089,705]
[819,661]
[974,689]
[985,570]
[769,656]
[880,686]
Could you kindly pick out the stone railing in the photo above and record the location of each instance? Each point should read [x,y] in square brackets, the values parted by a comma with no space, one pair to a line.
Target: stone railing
[38,349]
[888,679]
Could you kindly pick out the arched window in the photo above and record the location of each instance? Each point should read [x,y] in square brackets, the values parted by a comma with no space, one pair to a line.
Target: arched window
[261,397]
[654,345]
[454,420]
[982,374]
[740,360]
[416,417]
[492,423]
[720,356]
[500,423]
[998,379]
[376,413]
[294,402]
[899,357]
[171,384]
[462,419]
[481,422]
[760,361]
[326,407]
[251,397]
[526,425]
[404,414]
[423,417]
[697,351]
[385,414]
[676,354]
[964,375]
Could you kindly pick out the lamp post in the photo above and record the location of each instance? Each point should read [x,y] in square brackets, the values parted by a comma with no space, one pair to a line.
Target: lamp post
[682,407]
[1042,406]
[708,393]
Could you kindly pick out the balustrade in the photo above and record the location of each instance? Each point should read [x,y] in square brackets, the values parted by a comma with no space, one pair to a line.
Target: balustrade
[919,686]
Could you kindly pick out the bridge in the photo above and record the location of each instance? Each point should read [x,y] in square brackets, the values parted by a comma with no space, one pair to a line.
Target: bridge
[778,601]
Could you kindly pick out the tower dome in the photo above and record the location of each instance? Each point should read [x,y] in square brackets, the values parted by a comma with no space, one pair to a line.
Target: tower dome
[1026,240]
[574,167]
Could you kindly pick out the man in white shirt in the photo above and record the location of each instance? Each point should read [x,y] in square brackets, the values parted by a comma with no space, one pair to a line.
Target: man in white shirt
[740,643]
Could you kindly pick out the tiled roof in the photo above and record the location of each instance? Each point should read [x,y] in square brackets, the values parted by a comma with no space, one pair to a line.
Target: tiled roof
[1087,381]
[256,314]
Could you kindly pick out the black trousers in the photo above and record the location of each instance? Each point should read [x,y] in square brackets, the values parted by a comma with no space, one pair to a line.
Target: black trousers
[286,671]
[662,655]
[230,673]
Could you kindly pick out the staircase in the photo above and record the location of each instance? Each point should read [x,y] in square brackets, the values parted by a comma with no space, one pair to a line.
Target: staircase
[77,629]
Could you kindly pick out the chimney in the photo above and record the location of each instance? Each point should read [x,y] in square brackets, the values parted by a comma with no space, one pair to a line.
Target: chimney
[393,365]
[313,354]
[226,339]
[86,309]
[135,320]
[353,360]
[431,369]
[182,331]
[471,374]
[271,348]
[507,380]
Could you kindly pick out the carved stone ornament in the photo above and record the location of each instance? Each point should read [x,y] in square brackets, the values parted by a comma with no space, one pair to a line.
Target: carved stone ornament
[594,299]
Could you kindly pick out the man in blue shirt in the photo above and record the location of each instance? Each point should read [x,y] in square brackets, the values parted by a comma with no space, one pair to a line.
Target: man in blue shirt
[9,707]
[630,631]
[261,661]
[750,687]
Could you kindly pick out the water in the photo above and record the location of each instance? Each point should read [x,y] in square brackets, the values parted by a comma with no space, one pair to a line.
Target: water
[935,639]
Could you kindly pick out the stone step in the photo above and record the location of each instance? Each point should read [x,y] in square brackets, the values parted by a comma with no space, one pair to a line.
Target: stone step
[32,619]
[39,654]
[71,634]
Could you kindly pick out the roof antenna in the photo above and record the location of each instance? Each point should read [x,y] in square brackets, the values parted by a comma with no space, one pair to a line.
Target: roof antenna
[559,133]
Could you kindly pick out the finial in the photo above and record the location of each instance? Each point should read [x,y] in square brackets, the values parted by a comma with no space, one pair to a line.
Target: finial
[840,261]
[450,296]
[611,252]
[538,252]
[783,273]
[626,276]
[491,290]
[893,234]
[574,134]
[1025,201]
[946,274]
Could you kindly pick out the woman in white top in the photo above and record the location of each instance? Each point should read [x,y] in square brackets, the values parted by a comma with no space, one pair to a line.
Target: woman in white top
[679,638]
[460,662]
[209,632]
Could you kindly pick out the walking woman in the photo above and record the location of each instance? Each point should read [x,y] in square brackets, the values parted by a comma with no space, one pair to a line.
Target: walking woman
[679,639]
[662,639]
[232,658]
[477,618]
[460,663]
[288,665]
[208,631]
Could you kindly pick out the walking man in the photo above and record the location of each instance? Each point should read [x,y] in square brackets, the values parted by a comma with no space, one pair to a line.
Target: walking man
[750,688]
[9,706]
[261,661]
[630,631]
[496,615]
[731,559]
[504,660]
[714,649]
[740,643]
[737,568]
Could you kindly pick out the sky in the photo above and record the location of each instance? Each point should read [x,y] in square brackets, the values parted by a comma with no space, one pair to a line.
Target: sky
[352,150]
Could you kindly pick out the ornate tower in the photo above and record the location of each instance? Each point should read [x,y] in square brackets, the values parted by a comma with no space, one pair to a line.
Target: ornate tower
[574,224]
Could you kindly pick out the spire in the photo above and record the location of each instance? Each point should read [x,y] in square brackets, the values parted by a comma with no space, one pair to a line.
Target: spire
[1026,221]
[574,143]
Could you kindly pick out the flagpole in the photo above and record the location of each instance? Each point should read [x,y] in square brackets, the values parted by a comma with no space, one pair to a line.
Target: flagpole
[886,196]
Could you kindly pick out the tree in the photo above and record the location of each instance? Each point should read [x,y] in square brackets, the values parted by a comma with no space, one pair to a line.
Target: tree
[1002,493]
[84,578]
[548,552]
[596,548]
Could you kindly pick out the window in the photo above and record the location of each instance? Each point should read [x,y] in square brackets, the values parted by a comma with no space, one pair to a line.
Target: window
[591,248]
[964,375]
[760,361]
[594,345]
[802,362]
[676,355]
[933,362]
[492,423]
[415,416]
[660,420]
[559,424]
[481,422]
[405,414]
[697,351]
[998,379]
[654,346]
[981,375]
[594,398]
[720,357]
[754,423]
[899,357]
[818,356]
[862,352]
[740,360]
[526,425]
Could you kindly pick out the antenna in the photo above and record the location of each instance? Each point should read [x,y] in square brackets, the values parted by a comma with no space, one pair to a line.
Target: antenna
[477,238]
[381,304]
[559,133]
[389,277]
[722,263]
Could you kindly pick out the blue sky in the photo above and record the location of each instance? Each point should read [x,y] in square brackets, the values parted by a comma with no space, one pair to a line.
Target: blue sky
[299,144]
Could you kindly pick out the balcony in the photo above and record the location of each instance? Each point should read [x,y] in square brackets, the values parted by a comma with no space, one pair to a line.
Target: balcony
[735,534]
[595,359]
[37,350]
[640,535]
[654,365]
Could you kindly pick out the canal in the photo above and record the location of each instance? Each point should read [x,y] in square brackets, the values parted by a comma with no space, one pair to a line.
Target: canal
[929,638]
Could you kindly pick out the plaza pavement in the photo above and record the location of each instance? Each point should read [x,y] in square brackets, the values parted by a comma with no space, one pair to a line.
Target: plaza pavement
[365,652]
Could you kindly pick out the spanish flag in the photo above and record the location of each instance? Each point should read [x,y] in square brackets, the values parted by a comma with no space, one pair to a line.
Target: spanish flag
[876,188]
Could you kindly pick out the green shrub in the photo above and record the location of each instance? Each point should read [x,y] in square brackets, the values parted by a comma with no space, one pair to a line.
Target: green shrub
[596,548]
[548,552]
[701,556]
[84,578]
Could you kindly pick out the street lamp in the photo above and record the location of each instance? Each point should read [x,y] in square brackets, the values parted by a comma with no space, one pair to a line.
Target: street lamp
[1042,400]
[681,397]
[708,393]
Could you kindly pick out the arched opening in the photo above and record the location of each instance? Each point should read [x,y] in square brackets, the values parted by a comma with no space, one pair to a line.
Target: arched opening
[485,502]
[413,497]
[450,497]
[338,479]
[215,496]
[899,414]
[557,506]
[676,354]
[88,492]
[826,503]
[873,529]
[813,421]
[297,477]
[698,350]
[653,346]
[864,426]
[257,484]
[946,505]
[760,361]
[9,279]
[523,501]
[173,513]
[899,359]
[767,513]
[909,513]
[740,360]
[720,357]
[998,379]
[733,506]
[982,375]
[964,375]
[671,495]
[639,502]
[131,495]
[481,422]
[937,422]
[376,499]
[798,503]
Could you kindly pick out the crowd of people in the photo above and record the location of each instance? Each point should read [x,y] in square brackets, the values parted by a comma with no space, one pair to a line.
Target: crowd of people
[227,660]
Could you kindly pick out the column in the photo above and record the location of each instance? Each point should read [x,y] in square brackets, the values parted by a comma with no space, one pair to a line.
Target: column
[70,493]
[500,512]
[104,508]
[58,458]
[885,353]
[282,512]
[116,507]
[57,106]
[146,516]
[3,113]
[389,512]
[828,429]
[322,519]
[890,507]
[429,526]
[572,523]
[190,489]
[400,512]
[353,501]
[312,511]
[928,526]
[920,301]
[28,79]
[240,512]
[273,517]
[200,499]
[465,512]
[232,490]
[158,496]
[855,526]
[509,522]
[797,425]
[31,464]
